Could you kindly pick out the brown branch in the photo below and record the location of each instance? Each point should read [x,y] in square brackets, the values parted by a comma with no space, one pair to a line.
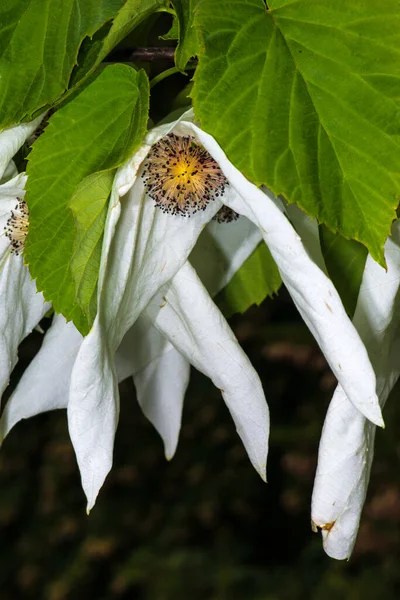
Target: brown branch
[152,54]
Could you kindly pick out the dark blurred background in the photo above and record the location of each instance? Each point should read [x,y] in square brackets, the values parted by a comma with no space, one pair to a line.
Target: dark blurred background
[204,526]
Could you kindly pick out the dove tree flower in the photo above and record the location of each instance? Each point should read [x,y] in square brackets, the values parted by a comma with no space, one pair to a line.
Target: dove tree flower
[144,254]
[150,296]
[347,443]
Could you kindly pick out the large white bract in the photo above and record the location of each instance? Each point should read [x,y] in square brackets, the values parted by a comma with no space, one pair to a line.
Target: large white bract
[347,443]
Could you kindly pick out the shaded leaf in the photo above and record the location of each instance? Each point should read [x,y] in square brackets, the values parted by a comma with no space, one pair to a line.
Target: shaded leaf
[345,261]
[254,281]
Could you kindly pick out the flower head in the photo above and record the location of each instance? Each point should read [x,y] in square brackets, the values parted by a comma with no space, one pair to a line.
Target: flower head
[16,228]
[181,176]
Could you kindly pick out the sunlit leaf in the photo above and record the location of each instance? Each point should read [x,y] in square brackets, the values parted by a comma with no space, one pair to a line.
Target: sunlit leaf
[94,132]
[39,44]
[303,97]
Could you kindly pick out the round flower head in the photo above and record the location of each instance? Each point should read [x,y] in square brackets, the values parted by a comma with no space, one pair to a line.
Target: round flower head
[181,176]
[17,226]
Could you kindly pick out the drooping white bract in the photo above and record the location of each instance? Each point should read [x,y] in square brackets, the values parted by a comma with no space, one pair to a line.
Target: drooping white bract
[21,307]
[185,313]
[313,293]
[45,382]
[161,376]
[347,442]
[143,249]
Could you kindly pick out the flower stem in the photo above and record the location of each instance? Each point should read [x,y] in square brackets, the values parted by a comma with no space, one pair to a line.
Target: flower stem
[163,75]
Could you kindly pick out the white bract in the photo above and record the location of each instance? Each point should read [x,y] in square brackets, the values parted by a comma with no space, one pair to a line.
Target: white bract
[184,312]
[21,307]
[347,442]
[12,139]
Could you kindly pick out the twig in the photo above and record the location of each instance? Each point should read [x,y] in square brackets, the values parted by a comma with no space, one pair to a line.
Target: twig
[152,54]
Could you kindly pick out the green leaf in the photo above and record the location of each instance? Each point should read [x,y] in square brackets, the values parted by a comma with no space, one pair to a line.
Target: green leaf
[252,283]
[39,43]
[173,33]
[94,132]
[304,98]
[188,35]
[89,208]
[131,14]
[345,261]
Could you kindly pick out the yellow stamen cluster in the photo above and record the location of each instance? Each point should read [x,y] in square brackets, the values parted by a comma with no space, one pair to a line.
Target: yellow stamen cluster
[17,226]
[226,215]
[182,177]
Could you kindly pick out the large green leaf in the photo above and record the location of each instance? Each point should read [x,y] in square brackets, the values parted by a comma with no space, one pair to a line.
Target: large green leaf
[304,97]
[89,208]
[345,262]
[92,133]
[131,14]
[252,283]
[188,35]
[39,43]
